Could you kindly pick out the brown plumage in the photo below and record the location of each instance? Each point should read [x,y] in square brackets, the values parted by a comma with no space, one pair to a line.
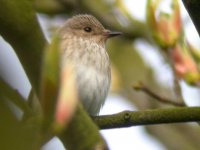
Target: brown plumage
[83,40]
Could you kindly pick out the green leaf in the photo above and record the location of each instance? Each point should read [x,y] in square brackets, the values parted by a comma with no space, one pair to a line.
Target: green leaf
[14,97]
[20,28]
[50,80]
[15,133]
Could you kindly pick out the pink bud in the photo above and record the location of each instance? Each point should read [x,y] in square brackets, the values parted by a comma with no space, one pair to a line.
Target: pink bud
[184,65]
[67,96]
[166,29]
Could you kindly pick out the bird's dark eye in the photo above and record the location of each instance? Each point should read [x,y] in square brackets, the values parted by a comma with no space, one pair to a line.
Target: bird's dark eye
[87,29]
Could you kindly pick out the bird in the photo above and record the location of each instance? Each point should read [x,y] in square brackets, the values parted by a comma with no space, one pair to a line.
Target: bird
[83,44]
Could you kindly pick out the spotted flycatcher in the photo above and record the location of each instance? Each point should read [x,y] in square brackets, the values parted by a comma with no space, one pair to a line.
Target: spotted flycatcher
[83,40]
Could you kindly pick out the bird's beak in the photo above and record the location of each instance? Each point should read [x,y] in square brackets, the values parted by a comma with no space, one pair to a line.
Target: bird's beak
[110,34]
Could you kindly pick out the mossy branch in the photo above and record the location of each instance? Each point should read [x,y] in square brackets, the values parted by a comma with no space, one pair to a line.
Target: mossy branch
[148,117]
[81,134]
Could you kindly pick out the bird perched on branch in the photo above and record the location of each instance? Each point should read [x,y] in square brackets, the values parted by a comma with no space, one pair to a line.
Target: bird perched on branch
[83,40]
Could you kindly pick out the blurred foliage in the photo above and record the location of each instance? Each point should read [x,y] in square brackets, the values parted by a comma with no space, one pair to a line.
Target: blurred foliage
[166,29]
[17,132]
[50,81]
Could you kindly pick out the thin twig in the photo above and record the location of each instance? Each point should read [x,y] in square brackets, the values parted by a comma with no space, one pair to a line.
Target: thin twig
[141,87]
[177,88]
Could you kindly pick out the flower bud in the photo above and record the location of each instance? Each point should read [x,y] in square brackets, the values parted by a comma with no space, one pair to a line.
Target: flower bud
[184,65]
[166,29]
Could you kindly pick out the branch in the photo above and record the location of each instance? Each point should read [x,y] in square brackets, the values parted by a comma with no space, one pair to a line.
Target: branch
[193,7]
[157,97]
[81,133]
[134,29]
[148,117]
[53,7]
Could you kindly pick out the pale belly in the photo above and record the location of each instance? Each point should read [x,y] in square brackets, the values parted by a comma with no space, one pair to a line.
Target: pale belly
[93,88]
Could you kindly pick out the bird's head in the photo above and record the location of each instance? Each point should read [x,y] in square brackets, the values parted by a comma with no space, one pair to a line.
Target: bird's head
[88,28]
